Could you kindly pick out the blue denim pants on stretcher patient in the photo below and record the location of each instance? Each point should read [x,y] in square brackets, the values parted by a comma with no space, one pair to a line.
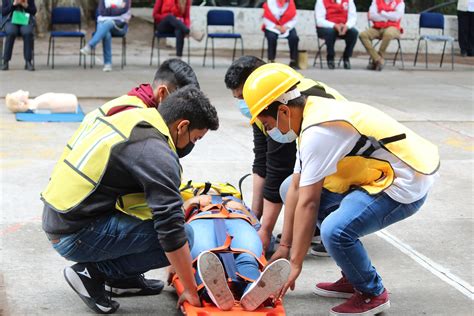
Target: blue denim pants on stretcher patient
[121,246]
[244,236]
[104,32]
[345,218]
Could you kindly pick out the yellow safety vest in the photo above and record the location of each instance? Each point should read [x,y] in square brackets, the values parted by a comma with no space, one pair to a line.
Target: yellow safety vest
[80,172]
[377,130]
[304,85]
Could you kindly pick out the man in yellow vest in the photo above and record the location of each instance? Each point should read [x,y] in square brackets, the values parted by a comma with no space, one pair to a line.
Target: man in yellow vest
[357,170]
[273,161]
[131,152]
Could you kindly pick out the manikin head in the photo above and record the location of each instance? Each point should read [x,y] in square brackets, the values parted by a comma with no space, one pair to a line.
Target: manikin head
[17,101]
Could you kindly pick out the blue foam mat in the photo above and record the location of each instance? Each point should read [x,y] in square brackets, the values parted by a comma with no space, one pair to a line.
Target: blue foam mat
[53,117]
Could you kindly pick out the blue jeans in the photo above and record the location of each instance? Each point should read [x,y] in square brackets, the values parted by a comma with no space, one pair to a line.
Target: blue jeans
[345,218]
[244,236]
[121,246]
[104,32]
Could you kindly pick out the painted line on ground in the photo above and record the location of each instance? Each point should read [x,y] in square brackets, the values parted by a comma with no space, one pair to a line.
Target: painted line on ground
[433,267]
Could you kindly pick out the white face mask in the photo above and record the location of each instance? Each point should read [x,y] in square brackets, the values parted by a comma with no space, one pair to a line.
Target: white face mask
[279,137]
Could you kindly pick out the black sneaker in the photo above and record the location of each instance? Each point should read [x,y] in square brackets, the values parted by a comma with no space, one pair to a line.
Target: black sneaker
[293,64]
[319,250]
[134,286]
[88,282]
[347,64]
[331,64]
[4,66]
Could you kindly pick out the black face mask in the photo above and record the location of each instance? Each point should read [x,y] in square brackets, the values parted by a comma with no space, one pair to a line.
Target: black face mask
[182,152]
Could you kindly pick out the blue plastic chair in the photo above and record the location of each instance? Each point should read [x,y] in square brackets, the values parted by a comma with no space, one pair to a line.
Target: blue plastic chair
[431,20]
[66,16]
[124,45]
[221,18]
[158,35]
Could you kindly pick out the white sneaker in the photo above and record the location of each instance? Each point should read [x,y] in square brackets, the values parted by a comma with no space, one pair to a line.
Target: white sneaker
[107,68]
[197,35]
[212,274]
[86,50]
[270,282]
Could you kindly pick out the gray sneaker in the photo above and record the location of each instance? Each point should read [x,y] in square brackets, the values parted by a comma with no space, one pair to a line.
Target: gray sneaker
[269,283]
[107,68]
[213,277]
[86,50]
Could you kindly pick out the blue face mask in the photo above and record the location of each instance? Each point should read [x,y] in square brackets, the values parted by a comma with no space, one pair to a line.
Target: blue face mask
[279,137]
[244,109]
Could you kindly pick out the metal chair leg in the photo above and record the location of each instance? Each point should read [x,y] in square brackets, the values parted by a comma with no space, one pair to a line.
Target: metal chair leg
[416,54]
[52,56]
[124,51]
[152,48]
[452,55]
[401,55]
[205,52]
[442,55]
[158,53]
[263,46]
[212,43]
[83,42]
[80,55]
[49,50]
[321,56]
[242,45]
[426,54]
[189,51]
[233,52]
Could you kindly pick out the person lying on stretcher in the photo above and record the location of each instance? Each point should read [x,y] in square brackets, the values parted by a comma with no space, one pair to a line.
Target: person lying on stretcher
[226,246]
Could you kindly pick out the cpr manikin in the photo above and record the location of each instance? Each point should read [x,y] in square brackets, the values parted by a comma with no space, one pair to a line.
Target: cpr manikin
[50,102]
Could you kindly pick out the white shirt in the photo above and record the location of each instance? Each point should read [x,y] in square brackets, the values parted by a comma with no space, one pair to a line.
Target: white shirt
[323,146]
[320,14]
[278,12]
[386,16]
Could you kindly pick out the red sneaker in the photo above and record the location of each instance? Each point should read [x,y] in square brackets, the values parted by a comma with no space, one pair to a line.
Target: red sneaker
[339,289]
[363,304]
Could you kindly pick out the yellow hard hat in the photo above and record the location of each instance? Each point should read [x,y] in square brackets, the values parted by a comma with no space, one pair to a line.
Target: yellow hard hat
[266,84]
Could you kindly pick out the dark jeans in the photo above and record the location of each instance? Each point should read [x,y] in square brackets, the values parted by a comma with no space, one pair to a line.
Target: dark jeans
[13,30]
[330,35]
[272,39]
[122,246]
[466,32]
[171,24]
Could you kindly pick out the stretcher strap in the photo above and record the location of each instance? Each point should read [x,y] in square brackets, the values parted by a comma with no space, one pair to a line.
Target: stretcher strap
[221,236]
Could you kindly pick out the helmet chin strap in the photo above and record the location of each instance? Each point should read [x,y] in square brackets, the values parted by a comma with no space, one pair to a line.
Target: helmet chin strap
[288,96]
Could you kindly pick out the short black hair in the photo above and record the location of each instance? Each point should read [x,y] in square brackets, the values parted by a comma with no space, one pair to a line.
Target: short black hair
[177,73]
[240,70]
[190,103]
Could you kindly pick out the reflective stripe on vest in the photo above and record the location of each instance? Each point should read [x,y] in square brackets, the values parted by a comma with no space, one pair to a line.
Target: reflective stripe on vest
[90,122]
[380,131]
[80,172]
[304,85]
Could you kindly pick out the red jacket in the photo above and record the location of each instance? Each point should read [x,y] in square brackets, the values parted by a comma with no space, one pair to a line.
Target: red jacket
[164,7]
[289,14]
[382,6]
[336,13]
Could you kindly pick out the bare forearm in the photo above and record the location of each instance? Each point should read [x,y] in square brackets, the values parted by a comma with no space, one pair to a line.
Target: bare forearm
[181,260]
[257,200]
[303,228]
[271,211]
[290,206]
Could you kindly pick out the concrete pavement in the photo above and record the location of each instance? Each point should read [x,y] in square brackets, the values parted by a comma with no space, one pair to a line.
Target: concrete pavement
[426,261]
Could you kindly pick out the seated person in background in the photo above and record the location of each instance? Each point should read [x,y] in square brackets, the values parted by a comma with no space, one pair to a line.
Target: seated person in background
[19,101]
[112,19]
[235,227]
[337,18]
[27,9]
[386,16]
[279,21]
[172,16]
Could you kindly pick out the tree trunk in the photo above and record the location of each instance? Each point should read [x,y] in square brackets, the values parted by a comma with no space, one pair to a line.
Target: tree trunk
[43,16]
